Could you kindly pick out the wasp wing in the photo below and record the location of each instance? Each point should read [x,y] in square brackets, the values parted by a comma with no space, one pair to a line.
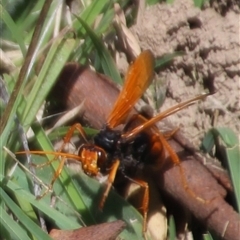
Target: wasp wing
[138,78]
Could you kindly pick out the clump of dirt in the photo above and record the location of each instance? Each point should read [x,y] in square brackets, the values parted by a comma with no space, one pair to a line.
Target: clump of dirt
[212,46]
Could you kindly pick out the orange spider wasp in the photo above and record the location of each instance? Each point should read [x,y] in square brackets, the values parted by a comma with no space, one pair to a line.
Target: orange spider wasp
[112,149]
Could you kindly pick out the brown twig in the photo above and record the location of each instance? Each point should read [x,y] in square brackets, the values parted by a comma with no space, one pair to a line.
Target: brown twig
[104,231]
[77,83]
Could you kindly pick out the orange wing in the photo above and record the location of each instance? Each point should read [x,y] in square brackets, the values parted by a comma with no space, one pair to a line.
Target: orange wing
[139,77]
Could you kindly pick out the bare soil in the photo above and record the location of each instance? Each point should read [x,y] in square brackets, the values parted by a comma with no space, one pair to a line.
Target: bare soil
[211,40]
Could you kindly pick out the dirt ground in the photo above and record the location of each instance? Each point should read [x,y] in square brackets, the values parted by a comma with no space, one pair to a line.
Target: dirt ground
[211,40]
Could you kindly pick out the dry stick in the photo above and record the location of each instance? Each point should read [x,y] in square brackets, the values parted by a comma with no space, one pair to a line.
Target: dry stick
[214,215]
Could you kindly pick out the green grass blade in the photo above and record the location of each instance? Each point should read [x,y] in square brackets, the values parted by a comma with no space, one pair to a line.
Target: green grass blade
[26,221]
[60,132]
[89,191]
[208,142]
[90,14]
[103,26]
[227,135]
[7,120]
[233,157]
[48,26]
[172,229]
[160,62]
[65,184]
[199,3]
[52,66]
[12,227]
[232,150]
[18,35]
[29,16]
[105,58]
[60,219]
[207,236]
[114,208]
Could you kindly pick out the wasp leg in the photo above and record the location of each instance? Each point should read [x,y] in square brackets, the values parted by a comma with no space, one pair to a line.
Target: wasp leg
[170,133]
[43,164]
[145,200]
[66,140]
[158,137]
[55,177]
[70,132]
[111,178]
[176,161]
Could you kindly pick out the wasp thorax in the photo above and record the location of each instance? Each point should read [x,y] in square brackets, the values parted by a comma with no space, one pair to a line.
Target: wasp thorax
[107,139]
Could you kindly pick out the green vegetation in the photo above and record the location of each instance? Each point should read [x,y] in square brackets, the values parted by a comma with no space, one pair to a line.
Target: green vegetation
[37,63]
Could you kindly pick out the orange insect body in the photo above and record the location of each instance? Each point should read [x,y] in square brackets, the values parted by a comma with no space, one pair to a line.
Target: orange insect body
[112,149]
